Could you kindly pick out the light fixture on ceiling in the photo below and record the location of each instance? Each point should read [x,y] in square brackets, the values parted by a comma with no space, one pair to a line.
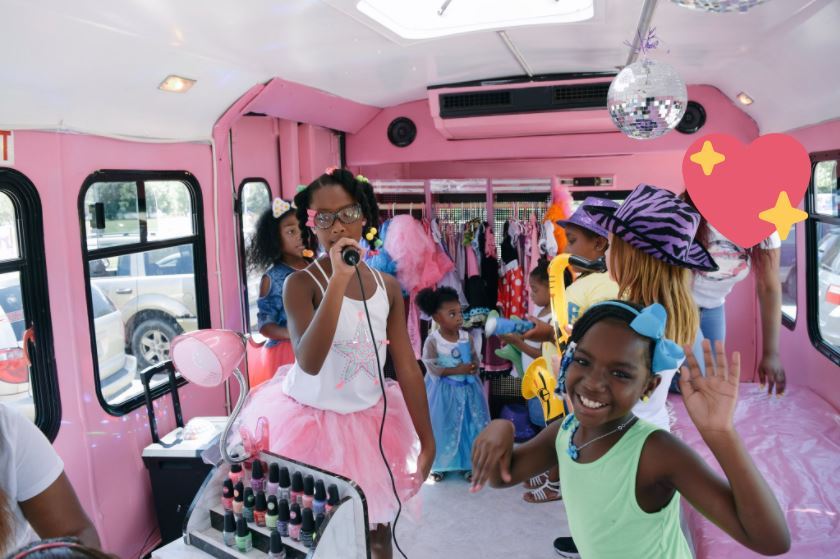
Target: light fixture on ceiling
[176,84]
[745,99]
[426,19]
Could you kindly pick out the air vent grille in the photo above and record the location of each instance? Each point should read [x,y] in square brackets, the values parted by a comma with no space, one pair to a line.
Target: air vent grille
[524,100]
[484,99]
[581,96]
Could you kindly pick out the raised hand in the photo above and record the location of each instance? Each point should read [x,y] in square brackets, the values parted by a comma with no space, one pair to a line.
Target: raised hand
[711,400]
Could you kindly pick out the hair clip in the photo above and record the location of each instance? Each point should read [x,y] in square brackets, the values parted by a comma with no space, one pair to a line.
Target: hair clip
[311,221]
[301,187]
[306,253]
[378,243]
[330,170]
[371,234]
[280,206]
[362,178]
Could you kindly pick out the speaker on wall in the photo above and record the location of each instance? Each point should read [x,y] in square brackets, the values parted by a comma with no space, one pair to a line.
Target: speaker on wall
[402,131]
[693,119]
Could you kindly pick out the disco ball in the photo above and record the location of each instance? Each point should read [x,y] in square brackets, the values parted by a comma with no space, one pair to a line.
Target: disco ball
[647,99]
[719,6]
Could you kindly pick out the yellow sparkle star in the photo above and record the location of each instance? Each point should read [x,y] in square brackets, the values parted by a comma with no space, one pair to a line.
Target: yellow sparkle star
[707,158]
[783,215]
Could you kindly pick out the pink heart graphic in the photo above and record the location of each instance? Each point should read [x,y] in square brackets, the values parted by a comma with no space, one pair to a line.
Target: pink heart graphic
[730,193]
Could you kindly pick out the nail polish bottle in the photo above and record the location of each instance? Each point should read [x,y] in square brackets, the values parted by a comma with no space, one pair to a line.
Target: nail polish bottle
[319,521]
[308,492]
[235,473]
[319,503]
[244,541]
[297,489]
[260,509]
[271,512]
[229,530]
[332,501]
[295,522]
[283,492]
[273,479]
[307,528]
[248,509]
[238,499]
[276,550]
[257,479]
[283,516]
[227,495]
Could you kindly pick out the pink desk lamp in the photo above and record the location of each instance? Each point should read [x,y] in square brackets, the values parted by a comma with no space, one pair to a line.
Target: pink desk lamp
[208,358]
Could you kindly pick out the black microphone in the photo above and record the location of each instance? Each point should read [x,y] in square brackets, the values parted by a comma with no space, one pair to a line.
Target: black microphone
[350,256]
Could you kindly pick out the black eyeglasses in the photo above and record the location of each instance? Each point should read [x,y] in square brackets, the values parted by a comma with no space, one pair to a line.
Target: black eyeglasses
[325,220]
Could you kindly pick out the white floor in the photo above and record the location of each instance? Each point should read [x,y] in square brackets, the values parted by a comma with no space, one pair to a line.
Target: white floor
[494,523]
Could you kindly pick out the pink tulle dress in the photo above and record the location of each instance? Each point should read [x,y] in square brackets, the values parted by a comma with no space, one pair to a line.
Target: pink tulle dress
[331,420]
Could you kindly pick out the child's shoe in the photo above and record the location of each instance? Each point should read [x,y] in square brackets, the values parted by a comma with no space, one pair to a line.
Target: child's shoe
[565,547]
[548,492]
[437,476]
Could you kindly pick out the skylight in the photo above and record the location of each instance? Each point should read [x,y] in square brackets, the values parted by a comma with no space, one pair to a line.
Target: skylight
[425,19]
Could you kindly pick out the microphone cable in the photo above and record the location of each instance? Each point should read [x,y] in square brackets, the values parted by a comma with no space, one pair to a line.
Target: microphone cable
[384,409]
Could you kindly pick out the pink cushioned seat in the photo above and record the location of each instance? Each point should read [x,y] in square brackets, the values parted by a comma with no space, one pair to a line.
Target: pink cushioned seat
[795,442]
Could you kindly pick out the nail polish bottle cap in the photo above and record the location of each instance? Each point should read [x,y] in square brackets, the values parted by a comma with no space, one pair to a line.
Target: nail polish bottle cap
[227,489]
[333,491]
[230,522]
[276,545]
[274,472]
[235,468]
[295,514]
[271,504]
[309,485]
[256,470]
[297,482]
[320,492]
[319,520]
[249,497]
[261,505]
[239,492]
[283,510]
[241,527]
[308,521]
[284,477]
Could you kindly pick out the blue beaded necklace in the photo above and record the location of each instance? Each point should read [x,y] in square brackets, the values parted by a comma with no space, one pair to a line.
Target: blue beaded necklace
[574,451]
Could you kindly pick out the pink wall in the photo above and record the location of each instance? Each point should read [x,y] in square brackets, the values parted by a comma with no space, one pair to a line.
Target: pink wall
[804,364]
[255,153]
[102,452]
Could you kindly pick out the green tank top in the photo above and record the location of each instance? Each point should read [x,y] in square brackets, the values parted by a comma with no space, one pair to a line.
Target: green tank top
[604,517]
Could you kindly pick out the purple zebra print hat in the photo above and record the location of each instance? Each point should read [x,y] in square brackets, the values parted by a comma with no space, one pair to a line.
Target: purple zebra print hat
[657,222]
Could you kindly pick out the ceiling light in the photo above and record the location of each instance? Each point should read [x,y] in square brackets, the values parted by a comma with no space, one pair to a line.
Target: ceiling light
[425,19]
[745,99]
[176,84]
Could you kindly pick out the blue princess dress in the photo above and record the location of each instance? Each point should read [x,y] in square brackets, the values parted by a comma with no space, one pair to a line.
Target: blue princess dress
[457,405]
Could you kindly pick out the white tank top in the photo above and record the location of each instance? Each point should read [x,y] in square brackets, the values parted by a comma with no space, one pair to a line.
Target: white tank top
[349,379]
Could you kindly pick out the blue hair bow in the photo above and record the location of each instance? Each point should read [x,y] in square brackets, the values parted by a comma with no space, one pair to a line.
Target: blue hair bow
[650,323]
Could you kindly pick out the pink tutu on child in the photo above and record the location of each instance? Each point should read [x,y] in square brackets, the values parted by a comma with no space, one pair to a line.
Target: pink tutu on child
[344,444]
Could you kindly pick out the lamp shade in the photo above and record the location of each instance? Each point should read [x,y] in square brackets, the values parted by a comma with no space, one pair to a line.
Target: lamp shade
[207,357]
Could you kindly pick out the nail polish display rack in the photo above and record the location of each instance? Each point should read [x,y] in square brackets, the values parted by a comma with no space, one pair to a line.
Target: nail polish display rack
[343,533]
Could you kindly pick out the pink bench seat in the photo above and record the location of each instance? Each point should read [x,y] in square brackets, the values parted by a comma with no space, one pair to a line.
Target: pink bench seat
[795,442]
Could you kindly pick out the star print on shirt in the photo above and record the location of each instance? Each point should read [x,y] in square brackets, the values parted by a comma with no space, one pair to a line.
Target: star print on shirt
[359,355]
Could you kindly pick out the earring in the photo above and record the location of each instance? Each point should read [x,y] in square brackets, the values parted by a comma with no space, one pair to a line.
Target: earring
[645,399]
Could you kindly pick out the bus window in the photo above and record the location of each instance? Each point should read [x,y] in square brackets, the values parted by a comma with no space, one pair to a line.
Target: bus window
[141,272]
[787,277]
[824,250]
[27,366]
[254,199]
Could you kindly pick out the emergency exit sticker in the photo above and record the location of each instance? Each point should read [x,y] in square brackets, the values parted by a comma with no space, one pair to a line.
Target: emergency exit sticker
[7,147]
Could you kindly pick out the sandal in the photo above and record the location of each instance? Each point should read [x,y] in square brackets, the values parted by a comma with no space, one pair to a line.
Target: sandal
[550,491]
[437,476]
[468,476]
[537,481]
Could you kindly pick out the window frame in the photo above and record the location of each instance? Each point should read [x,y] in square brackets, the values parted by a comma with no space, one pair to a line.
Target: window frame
[788,321]
[243,256]
[197,240]
[32,267]
[811,271]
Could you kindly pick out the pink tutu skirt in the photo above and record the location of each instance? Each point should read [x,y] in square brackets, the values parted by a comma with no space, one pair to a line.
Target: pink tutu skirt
[344,444]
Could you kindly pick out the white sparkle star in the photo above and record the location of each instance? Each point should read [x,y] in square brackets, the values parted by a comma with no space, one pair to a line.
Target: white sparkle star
[360,356]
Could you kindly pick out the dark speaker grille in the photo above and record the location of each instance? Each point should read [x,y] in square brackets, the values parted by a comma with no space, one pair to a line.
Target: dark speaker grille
[483,100]
[580,96]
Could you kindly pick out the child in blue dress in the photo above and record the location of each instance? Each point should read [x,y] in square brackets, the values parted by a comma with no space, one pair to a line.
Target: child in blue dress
[457,405]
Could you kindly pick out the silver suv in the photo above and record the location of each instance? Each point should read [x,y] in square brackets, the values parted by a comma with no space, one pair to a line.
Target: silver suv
[155,292]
